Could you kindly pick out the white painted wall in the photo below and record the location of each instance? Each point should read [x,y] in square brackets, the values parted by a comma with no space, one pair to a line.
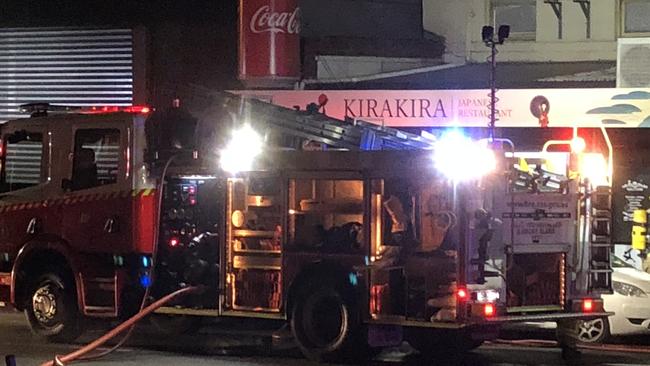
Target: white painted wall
[450,19]
[345,67]
[460,22]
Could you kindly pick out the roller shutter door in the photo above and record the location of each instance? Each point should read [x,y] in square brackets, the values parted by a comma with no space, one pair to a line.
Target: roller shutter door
[76,67]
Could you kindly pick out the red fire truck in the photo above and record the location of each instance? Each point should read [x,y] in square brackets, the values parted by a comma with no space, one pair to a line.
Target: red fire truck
[434,243]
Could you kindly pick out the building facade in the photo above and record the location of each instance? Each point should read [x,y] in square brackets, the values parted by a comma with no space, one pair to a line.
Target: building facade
[557,30]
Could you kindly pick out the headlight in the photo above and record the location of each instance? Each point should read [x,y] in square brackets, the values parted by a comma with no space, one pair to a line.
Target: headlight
[626,289]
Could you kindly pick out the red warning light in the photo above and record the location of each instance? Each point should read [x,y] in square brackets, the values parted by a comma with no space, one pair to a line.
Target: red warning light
[587,305]
[135,109]
[462,294]
[489,310]
[173,242]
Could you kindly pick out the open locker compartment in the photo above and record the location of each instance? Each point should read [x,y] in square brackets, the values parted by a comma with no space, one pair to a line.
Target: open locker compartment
[536,282]
[254,243]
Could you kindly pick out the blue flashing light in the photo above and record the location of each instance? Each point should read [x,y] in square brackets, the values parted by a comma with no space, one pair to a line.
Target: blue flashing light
[146,261]
[354,280]
[145,280]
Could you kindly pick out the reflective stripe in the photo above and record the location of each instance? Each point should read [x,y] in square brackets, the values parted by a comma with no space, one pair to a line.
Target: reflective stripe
[78,199]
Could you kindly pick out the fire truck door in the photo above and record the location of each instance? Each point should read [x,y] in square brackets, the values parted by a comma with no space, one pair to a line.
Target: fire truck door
[97,214]
[22,182]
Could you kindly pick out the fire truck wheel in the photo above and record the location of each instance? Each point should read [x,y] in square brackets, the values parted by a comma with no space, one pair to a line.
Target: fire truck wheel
[327,327]
[52,309]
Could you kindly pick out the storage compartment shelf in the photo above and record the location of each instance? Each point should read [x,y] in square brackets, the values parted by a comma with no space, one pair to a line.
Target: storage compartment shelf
[354,207]
[253,233]
[257,262]
[258,251]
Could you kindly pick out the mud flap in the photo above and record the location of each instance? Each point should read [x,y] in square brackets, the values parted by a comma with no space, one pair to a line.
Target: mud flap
[567,337]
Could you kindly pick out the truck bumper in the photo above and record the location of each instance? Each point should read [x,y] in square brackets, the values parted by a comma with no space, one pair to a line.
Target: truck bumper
[546,317]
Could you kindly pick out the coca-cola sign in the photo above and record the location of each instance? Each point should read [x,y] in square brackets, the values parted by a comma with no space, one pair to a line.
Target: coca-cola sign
[265,20]
[269,41]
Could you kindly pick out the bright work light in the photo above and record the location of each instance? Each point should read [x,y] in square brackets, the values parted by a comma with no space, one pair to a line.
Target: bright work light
[594,167]
[241,151]
[461,159]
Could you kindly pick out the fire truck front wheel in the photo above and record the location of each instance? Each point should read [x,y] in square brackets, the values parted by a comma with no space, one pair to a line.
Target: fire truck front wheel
[326,325]
[52,309]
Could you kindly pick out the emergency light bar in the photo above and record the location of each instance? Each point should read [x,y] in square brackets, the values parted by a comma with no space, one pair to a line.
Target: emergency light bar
[42,109]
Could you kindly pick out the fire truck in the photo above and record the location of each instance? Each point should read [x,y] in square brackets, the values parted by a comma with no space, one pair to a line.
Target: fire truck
[354,236]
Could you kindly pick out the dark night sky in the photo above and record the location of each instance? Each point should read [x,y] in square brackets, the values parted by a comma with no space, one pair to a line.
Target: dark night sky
[17,13]
[189,41]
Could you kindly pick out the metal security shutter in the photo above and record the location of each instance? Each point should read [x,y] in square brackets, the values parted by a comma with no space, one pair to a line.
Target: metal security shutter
[23,163]
[77,67]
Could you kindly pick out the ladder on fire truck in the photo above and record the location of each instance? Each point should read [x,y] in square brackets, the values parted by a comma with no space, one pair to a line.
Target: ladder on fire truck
[350,134]
[306,125]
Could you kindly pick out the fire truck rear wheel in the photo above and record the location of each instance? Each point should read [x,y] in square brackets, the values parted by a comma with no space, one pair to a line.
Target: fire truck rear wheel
[327,327]
[52,309]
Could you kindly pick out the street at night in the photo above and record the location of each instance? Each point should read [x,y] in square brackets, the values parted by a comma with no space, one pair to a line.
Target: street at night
[216,348]
[289,182]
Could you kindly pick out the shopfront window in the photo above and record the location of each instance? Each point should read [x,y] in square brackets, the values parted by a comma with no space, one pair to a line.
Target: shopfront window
[520,15]
[636,16]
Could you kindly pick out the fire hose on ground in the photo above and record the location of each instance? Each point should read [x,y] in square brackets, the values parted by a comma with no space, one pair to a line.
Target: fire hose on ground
[83,354]
[80,353]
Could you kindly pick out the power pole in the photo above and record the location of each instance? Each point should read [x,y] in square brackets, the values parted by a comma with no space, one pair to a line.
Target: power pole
[491,41]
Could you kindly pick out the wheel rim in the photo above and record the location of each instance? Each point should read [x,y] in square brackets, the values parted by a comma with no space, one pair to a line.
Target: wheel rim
[326,321]
[592,330]
[45,304]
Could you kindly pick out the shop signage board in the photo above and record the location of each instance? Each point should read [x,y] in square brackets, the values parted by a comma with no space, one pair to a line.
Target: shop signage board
[470,108]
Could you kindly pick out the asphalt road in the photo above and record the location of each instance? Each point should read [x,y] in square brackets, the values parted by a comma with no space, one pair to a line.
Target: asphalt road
[244,349]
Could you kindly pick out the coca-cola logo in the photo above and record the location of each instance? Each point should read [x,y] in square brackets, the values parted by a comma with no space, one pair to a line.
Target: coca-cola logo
[264,20]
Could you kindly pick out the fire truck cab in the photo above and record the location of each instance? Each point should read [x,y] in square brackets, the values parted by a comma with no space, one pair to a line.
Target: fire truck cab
[353,250]
[75,215]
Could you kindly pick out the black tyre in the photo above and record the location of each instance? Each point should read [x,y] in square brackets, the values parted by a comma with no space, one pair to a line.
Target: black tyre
[52,309]
[327,327]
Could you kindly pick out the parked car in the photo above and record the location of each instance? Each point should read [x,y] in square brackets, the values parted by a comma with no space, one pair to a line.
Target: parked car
[630,302]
